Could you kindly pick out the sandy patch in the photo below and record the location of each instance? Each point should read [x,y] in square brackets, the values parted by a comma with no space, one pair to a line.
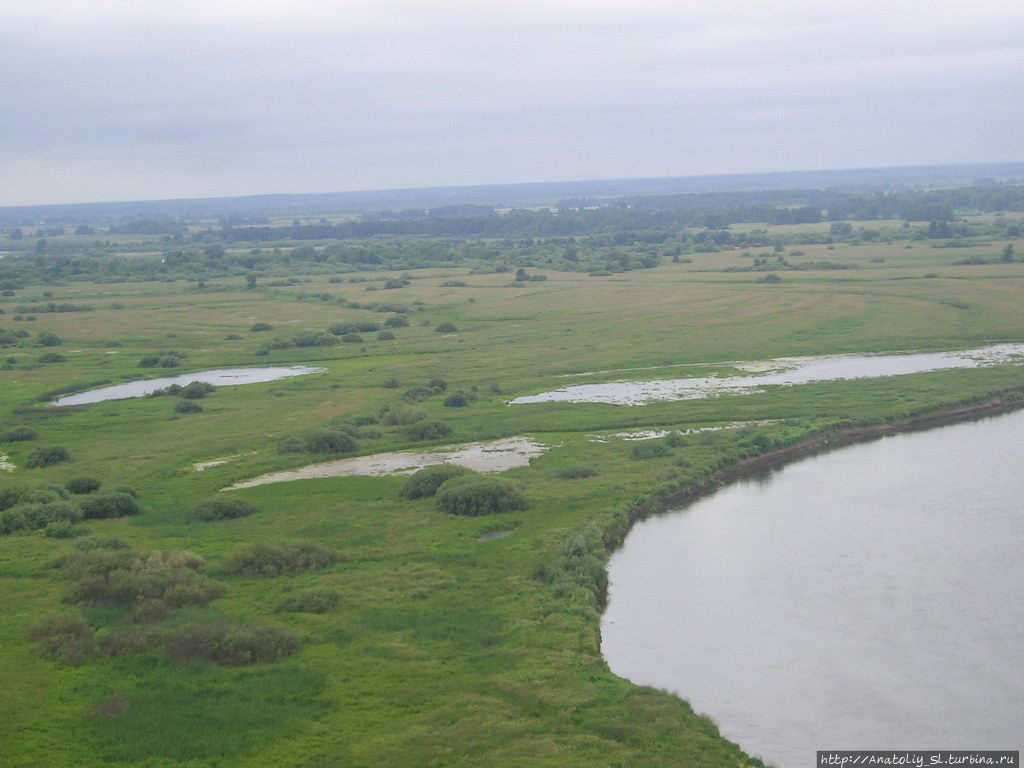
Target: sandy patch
[199,466]
[495,456]
[5,463]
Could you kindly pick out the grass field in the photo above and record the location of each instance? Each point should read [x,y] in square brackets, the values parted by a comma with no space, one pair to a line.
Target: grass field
[442,650]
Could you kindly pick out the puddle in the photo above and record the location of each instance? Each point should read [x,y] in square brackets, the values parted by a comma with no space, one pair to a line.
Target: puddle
[5,463]
[200,466]
[223,377]
[495,456]
[654,434]
[780,372]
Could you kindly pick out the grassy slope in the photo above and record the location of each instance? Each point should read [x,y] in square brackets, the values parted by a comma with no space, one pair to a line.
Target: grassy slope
[444,651]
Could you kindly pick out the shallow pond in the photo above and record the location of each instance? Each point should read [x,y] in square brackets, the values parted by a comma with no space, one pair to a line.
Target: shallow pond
[222,377]
[867,598]
[781,372]
[495,456]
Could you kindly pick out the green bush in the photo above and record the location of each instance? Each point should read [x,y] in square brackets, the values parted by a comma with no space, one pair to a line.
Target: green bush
[12,521]
[286,557]
[352,338]
[114,504]
[649,449]
[427,430]
[196,389]
[65,637]
[82,485]
[315,600]
[426,481]
[402,415]
[385,336]
[230,646]
[575,473]
[51,357]
[48,339]
[391,383]
[224,509]
[187,406]
[396,322]
[40,515]
[100,541]
[47,456]
[118,576]
[476,495]
[417,394]
[63,529]
[438,385]
[457,400]
[257,327]
[17,434]
[446,328]
[332,440]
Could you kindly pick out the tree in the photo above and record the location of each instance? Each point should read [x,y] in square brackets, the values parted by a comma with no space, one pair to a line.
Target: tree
[1008,253]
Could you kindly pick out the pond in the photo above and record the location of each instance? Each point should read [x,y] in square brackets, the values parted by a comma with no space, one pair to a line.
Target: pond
[222,377]
[867,598]
[779,372]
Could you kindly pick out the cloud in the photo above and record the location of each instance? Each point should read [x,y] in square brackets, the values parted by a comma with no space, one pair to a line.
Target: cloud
[124,99]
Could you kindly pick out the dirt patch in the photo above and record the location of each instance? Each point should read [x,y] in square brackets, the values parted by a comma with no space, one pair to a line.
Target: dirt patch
[5,463]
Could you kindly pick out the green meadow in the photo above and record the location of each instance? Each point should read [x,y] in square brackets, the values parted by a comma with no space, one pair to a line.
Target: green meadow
[414,643]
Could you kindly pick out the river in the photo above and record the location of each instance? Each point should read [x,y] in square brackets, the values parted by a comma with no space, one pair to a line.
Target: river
[866,598]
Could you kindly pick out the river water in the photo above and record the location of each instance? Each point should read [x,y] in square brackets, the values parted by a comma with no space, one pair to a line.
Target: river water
[867,598]
[222,377]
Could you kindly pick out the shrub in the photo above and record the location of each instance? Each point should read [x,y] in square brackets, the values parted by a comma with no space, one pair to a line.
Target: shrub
[224,509]
[39,515]
[343,329]
[352,338]
[385,336]
[453,284]
[257,327]
[446,328]
[391,383]
[17,434]
[63,529]
[316,600]
[83,484]
[438,385]
[12,521]
[310,339]
[427,430]
[417,394]
[169,359]
[457,400]
[51,357]
[47,456]
[48,339]
[66,637]
[197,389]
[105,505]
[117,576]
[286,557]
[230,646]
[649,450]
[396,322]
[329,440]
[112,344]
[426,481]
[478,495]
[187,406]
[402,415]
[575,473]
[232,337]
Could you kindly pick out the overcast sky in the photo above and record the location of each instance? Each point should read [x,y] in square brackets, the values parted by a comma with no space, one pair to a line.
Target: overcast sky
[133,99]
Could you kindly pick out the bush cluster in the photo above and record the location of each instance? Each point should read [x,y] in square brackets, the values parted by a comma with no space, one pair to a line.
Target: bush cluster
[575,473]
[426,481]
[17,434]
[224,509]
[117,503]
[476,495]
[82,485]
[170,359]
[287,557]
[229,645]
[427,430]
[47,456]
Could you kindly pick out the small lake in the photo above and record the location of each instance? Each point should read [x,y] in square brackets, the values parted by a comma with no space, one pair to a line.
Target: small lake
[779,372]
[867,598]
[222,377]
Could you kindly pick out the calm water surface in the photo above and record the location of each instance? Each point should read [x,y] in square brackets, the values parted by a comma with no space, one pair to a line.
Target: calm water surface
[868,598]
[780,372]
[222,377]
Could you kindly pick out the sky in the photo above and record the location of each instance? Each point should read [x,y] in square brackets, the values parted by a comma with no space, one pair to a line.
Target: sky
[147,99]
